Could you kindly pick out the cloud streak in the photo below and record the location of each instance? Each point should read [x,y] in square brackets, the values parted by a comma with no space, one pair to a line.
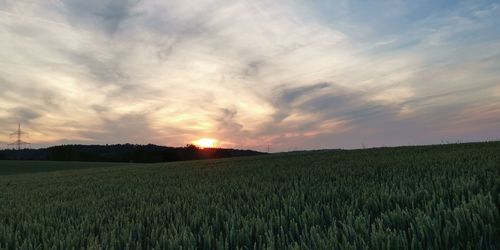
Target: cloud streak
[250,73]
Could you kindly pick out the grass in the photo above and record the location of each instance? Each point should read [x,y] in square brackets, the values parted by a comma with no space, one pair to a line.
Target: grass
[434,197]
[23,167]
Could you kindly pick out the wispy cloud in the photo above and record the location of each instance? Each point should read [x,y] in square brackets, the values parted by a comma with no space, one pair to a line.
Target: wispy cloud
[287,73]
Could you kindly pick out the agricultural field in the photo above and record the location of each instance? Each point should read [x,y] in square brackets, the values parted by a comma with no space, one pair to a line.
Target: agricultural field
[23,167]
[429,197]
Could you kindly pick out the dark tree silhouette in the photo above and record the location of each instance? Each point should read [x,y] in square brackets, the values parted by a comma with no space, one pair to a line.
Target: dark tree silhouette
[123,153]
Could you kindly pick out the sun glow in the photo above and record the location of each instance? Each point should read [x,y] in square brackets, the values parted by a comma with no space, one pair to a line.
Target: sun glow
[206,143]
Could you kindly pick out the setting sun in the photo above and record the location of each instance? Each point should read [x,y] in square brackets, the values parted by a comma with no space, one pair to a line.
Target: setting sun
[206,143]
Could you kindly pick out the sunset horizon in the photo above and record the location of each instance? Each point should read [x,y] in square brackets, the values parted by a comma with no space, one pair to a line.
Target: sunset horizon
[249,74]
[250,124]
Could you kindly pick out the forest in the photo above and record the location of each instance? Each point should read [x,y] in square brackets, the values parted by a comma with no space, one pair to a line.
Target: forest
[123,153]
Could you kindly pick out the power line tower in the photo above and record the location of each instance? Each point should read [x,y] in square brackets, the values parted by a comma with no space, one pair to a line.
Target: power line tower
[19,143]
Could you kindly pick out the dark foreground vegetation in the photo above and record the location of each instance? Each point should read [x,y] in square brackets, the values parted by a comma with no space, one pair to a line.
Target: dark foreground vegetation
[436,197]
[122,153]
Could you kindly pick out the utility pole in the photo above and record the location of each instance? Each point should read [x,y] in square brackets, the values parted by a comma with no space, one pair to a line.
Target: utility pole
[18,134]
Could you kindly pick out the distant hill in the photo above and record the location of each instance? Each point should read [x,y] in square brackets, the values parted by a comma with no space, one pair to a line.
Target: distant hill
[123,153]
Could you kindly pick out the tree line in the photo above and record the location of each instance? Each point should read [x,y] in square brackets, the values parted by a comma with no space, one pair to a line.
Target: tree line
[123,153]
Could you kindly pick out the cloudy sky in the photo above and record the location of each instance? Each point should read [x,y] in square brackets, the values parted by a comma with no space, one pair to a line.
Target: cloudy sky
[295,74]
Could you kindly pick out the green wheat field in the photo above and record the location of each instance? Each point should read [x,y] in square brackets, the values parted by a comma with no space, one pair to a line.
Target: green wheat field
[426,197]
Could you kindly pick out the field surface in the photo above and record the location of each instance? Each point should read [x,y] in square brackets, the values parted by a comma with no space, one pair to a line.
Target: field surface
[434,197]
[23,167]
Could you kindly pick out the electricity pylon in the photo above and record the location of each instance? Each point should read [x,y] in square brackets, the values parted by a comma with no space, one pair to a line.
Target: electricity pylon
[18,134]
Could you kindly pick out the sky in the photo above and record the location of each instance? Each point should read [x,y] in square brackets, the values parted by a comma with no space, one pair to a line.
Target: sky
[293,74]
